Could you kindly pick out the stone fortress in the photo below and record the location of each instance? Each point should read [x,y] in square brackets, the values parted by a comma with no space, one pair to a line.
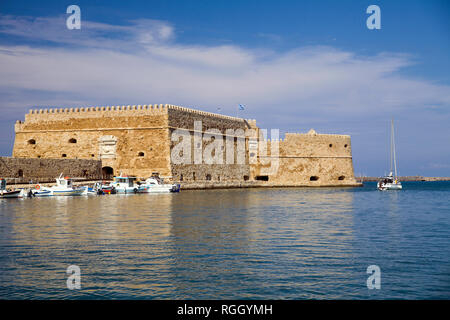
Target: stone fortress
[138,141]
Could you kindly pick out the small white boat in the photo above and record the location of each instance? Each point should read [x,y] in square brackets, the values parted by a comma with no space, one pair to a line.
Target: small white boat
[99,189]
[4,193]
[125,184]
[390,182]
[155,184]
[64,187]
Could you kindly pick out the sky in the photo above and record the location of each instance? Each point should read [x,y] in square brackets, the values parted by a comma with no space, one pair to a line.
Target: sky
[295,65]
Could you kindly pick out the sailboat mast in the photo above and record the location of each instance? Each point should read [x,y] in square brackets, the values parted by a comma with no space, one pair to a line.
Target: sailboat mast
[391,153]
[393,149]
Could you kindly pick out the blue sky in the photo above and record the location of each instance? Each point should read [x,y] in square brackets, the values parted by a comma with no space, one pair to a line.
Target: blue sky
[296,65]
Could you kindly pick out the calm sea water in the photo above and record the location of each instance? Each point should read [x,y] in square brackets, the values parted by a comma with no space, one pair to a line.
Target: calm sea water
[230,244]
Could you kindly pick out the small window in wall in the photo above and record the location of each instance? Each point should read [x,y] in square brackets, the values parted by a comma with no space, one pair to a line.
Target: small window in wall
[313,178]
[181,177]
[262,178]
[64,155]
[39,156]
[193,176]
[341,178]
[73,140]
[92,155]
[345,145]
[31,141]
[85,173]
[140,154]
[208,177]
[218,178]
[245,178]
[330,145]
[20,173]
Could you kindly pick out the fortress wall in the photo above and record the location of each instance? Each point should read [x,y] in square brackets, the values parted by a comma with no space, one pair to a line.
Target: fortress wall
[48,169]
[219,173]
[152,143]
[226,172]
[315,145]
[180,117]
[302,156]
[135,130]
[298,172]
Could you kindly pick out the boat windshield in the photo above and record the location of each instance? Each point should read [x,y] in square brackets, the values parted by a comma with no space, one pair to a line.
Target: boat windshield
[387,180]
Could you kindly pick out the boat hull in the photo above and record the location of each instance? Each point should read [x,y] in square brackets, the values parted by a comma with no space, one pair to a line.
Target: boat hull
[129,190]
[389,186]
[42,194]
[11,194]
[68,193]
[165,188]
[74,192]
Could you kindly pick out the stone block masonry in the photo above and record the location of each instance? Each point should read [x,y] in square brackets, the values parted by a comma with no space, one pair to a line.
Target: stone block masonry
[26,169]
[137,140]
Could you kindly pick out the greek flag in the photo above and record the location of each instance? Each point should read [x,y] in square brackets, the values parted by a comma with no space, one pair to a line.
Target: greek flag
[241,107]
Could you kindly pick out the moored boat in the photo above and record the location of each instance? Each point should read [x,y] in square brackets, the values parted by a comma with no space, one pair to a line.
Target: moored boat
[125,184]
[391,182]
[155,184]
[4,193]
[64,187]
[99,189]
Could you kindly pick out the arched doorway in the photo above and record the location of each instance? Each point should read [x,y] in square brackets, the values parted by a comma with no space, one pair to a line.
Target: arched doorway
[107,173]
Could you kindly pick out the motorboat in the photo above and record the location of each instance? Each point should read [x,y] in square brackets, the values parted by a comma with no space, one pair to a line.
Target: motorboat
[4,193]
[64,187]
[391,182]
[125,184]
[155,184]
[99,189]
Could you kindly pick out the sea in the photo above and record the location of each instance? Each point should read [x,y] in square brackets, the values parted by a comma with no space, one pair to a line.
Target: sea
[261,243]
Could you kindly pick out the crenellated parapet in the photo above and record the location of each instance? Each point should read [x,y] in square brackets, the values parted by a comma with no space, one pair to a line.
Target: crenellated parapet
[55,114]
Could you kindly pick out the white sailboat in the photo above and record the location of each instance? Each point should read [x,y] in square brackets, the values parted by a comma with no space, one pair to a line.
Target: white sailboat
[390,182]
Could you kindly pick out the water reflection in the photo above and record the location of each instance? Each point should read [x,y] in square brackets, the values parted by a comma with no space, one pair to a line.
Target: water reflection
[225,244]
[241,241]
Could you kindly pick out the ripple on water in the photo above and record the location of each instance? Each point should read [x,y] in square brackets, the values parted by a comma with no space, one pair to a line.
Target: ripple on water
[291,243]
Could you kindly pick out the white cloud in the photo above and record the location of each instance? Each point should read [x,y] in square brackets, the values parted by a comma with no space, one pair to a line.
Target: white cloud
[141,63]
